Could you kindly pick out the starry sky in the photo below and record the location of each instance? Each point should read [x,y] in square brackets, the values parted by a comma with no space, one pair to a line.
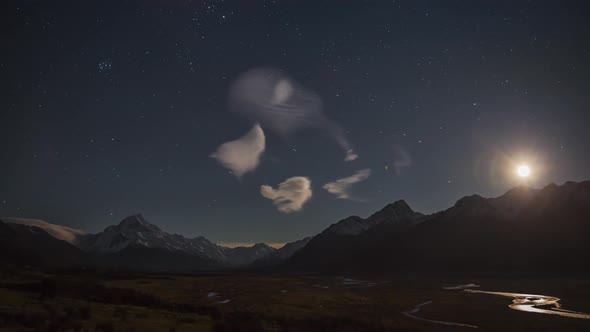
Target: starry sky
[110,108]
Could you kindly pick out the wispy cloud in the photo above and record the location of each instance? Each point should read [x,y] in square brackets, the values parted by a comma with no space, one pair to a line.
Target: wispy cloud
[402,159]
[280,104]
[68,234]
[242,155]
[341,187]
[290,194]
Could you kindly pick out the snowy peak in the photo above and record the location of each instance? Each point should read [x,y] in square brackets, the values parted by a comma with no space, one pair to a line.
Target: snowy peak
[136,223]
[135,232]
[133,221]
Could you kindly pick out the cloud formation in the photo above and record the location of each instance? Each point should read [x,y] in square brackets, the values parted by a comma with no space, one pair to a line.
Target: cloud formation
[290,194]
[341,187]
[68,234]
[350,155]
[402,159]
[280,104]
[242,155]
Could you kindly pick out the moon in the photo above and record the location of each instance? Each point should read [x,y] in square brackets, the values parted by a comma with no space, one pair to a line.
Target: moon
[523,171]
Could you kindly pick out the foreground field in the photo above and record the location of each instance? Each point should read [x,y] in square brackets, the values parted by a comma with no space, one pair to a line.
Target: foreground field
[251,302]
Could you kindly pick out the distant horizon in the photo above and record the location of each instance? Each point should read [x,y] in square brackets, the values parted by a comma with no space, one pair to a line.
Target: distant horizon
[277,245]
[368,211]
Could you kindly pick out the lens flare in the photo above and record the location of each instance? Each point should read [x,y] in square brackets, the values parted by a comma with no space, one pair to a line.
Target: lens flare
[523,171]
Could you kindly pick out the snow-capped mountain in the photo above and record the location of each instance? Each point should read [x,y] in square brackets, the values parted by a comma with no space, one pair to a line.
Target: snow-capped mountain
[523,230]
[135,232]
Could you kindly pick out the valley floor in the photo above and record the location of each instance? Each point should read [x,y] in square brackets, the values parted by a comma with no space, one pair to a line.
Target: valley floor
[253,302]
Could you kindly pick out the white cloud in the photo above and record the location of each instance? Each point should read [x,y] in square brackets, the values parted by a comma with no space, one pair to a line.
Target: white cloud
[350,155]
[242,155]
[68,234]
[282,92]
[280,104]
[290,195]
[341,187]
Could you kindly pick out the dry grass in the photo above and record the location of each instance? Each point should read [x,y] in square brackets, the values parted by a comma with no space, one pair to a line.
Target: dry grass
[277,303]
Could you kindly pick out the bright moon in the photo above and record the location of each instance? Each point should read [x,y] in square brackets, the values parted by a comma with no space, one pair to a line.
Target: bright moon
[523,171]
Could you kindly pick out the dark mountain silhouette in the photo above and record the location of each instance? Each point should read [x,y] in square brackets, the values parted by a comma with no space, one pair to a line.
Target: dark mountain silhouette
[333,247]
[65,233]
[280,255]
[24,245]
[240,256]
[523,230]
[398,213]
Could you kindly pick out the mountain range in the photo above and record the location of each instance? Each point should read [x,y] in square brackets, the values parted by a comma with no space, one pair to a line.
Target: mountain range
[134,243]
[22,244]
[524,230]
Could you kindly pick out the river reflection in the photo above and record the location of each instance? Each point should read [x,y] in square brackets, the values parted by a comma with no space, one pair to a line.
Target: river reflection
[541,304]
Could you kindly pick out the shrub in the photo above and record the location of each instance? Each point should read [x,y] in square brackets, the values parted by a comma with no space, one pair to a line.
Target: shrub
[105,327]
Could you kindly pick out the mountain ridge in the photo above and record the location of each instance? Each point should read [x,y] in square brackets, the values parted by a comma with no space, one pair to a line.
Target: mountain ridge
[522,230]
[135,231]
[519,230]
[65,233]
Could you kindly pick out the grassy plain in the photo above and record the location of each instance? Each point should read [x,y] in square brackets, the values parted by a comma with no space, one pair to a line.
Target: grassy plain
[265,302]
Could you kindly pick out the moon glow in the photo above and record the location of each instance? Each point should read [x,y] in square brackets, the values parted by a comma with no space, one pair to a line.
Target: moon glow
[523,171]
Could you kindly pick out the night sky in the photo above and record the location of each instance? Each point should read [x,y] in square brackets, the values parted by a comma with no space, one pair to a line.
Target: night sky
[110,108]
